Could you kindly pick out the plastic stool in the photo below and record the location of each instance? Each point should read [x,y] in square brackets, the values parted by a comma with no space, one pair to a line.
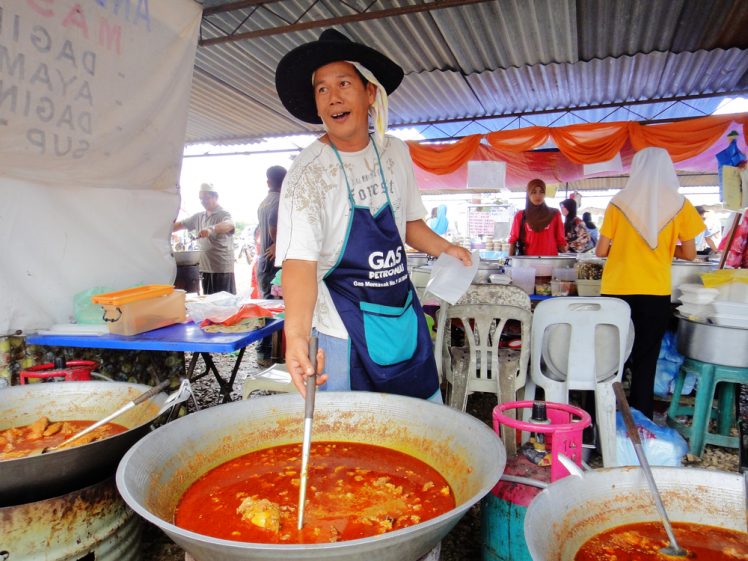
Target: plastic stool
[712,380]
[72,371]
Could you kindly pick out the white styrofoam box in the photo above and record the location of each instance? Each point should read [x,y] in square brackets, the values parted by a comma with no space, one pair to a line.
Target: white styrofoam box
[691,288]
[727,308]
[697,297]
[735,291]
[696,310]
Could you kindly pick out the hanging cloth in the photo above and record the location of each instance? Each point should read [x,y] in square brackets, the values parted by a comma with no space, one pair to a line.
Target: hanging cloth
[650,199]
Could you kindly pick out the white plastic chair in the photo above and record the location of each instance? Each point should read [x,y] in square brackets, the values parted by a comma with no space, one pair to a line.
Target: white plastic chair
[480,365]
[273,379]
[476,294]
[583,316]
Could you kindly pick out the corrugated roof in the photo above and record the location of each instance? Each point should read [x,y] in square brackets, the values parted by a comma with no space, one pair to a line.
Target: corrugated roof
[485,59]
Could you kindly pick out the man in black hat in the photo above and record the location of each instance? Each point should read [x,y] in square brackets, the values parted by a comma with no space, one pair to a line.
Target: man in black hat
[349,201]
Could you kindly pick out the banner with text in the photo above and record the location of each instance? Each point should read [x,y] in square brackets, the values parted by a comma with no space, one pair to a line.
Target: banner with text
[93,105]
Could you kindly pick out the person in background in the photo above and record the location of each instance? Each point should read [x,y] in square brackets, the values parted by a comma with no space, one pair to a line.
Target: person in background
[267,215]
[646,224]
[537,230]
[577,237]
[438,222]
[704,241]
[591,228]
[348,204]
[215,230]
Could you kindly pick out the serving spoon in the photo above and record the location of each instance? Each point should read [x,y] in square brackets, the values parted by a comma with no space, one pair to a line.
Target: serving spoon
[311,387]
[672,550]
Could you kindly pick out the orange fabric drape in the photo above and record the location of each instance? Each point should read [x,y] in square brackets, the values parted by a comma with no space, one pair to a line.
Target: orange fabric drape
[519,140]
[585,143]
[684,139]
[591,142]
[444,158]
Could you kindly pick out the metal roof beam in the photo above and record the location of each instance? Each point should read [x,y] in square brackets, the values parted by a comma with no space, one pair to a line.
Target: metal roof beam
[230,7]
[377,14]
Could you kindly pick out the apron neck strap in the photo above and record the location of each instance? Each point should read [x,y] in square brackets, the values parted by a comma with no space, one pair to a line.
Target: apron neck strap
[345,175]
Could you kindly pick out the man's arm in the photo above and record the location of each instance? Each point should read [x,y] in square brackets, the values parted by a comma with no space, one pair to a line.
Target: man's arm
[711,244]
[299,281]
[419,236]
[177,226]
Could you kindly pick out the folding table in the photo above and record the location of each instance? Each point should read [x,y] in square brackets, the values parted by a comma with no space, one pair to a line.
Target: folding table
[184,337]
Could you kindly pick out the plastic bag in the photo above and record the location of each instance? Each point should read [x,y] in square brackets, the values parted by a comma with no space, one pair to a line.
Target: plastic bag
[668,364]
[84,310]
[662,446]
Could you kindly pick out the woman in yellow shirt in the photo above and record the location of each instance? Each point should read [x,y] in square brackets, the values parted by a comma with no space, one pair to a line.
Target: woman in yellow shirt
[640,235]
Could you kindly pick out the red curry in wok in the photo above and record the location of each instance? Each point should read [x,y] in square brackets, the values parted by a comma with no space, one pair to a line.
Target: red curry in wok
[354,491]
[18,442]
[644,540]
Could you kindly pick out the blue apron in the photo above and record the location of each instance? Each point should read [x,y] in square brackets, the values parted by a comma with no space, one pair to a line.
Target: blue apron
[390,346]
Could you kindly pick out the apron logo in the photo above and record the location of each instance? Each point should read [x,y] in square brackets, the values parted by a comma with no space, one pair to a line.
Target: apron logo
[388,265]
[378,261]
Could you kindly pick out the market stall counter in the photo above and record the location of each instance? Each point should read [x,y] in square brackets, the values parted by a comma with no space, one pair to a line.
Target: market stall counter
[182,337]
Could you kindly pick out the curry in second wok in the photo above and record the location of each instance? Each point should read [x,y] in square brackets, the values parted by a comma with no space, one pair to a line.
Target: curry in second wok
[643,541]
[354,491]
[18,442]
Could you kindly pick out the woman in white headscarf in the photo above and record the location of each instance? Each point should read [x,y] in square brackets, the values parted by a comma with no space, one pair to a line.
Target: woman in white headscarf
[645,226]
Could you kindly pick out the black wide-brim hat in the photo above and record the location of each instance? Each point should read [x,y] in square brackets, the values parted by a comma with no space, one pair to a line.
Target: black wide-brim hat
[293,77]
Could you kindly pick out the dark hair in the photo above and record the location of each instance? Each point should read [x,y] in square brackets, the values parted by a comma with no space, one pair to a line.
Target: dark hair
[587,217]
[571,206]
[701,210]
[275,175]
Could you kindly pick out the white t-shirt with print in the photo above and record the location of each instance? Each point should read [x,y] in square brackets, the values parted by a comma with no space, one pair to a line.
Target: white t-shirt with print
[314,208]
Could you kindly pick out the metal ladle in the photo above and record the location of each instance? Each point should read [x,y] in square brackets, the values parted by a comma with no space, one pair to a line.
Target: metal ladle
[672,550]
[311,387]
[121,411]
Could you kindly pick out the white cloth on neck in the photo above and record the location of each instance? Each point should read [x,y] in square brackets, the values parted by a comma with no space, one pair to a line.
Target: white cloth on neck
[379,109]
[650,198]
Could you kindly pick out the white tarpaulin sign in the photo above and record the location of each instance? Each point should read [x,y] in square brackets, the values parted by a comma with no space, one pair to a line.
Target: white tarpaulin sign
[93,109]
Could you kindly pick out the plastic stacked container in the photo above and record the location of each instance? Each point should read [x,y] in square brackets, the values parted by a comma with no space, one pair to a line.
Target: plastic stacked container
[143,308]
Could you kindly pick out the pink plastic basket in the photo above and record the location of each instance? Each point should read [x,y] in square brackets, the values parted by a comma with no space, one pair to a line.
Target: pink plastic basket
[564,432]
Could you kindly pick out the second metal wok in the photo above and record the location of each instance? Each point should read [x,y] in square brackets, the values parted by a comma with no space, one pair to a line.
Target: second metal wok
[24,480]
[572,510]
[154,474]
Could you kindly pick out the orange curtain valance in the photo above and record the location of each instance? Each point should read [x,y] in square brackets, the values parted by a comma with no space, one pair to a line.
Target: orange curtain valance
[586,143]
[444,158]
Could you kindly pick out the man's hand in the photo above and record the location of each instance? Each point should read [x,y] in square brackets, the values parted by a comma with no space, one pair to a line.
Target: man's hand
[299,365]
[460,253]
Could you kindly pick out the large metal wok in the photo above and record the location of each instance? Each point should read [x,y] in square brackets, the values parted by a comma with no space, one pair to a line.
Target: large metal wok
[154,474]
[572,510]
[24,480]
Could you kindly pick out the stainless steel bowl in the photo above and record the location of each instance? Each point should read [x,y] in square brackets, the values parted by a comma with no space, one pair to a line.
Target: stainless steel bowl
[187,257]
[154,474]
[714,344]
[416,259]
